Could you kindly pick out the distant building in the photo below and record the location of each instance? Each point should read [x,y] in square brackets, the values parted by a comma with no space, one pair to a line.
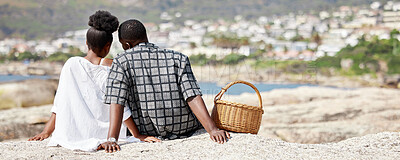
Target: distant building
[391,15]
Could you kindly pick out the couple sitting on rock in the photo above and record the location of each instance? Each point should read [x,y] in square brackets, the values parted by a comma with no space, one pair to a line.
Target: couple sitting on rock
[152,90]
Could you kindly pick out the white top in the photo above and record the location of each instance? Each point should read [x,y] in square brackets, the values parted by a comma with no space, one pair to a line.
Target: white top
[82,119]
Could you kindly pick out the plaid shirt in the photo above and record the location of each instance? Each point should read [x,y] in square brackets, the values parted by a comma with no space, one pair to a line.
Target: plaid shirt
[155,84]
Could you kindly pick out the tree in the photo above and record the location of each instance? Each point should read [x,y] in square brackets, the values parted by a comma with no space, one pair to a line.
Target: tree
[59,57]
[233,58]
[316,39]
[394,33]
[198,59]
[28,56]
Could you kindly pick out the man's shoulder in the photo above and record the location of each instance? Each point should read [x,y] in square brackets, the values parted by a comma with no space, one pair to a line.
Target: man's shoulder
[176,54]
[121,57]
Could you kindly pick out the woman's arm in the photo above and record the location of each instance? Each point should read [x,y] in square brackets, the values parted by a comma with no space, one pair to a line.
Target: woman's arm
[135,132]
[47,131]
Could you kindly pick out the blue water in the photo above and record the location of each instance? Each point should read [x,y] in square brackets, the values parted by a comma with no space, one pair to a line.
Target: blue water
[237,89]
[206,87]
[10,78]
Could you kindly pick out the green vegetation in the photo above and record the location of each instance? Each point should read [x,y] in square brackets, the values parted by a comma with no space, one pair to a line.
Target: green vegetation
[32,19]
[199,59]
[21,57]
[56,57]
[63,57]
[59,57]
[327,62]
[367,57]
[202,59]
[229,41]
[2,58]
[232,59]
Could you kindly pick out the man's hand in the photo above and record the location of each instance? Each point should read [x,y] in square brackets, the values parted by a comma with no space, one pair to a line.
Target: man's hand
[39,137]
[219,136]
[146,138]
[199,109]
[109,147]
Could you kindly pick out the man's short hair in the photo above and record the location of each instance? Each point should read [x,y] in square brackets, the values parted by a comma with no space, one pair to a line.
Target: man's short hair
[132,30]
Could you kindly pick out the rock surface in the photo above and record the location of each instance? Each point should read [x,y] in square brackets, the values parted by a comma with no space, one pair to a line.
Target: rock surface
[320,115]
[240,146]
[302,115]
[27,93]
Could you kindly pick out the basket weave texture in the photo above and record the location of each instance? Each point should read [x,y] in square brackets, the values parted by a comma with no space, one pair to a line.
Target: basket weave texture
[237,117]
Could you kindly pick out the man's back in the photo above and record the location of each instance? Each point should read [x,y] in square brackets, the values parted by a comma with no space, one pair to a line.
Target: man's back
[155,84]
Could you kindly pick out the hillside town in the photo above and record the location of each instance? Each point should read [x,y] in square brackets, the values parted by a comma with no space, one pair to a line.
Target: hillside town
[300,36]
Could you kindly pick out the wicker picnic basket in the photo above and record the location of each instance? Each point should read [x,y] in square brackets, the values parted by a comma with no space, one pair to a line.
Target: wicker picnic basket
[237,117]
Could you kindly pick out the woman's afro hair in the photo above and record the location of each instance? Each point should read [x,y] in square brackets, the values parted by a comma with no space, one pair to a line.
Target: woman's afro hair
[104,21]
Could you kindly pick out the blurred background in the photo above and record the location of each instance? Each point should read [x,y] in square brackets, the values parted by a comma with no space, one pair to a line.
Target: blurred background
[327,66]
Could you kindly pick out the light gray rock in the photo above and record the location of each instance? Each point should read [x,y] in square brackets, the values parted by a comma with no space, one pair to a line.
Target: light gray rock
[27,93]
[302,115]
[240,146]
[321,115]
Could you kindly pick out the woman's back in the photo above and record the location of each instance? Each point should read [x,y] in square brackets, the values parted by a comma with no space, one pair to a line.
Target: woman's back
[82,118]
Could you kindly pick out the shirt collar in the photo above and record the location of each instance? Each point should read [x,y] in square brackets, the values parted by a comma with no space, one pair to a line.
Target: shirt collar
[140,46]
[146,45]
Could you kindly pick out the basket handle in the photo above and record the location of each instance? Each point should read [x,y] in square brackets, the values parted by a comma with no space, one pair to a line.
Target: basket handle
[223,90]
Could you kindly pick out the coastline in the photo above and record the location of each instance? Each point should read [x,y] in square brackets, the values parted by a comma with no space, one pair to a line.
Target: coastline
[222,75]
[227,73]
[27,93]
[300,115]
[301,123]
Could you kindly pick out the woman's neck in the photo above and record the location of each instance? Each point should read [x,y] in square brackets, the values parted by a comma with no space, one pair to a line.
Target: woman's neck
[93,57]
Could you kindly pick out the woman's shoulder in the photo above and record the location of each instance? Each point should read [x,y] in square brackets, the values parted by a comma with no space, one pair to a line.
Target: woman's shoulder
[73,60]
[107,62]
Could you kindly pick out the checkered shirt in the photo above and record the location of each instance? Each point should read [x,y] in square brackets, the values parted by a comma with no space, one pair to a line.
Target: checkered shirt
[155,84]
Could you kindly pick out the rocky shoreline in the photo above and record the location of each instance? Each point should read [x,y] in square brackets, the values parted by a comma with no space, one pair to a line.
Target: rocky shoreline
[27,93]
[301,115]
[224,74]
[301,123]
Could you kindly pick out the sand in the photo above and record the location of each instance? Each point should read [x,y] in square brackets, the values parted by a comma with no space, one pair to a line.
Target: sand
[240,146]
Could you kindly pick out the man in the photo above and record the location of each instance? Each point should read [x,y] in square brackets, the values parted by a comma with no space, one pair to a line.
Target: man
[159,87]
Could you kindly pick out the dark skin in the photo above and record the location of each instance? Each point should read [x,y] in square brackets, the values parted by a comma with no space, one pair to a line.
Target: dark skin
[196,104]
[94,58]
[47,131]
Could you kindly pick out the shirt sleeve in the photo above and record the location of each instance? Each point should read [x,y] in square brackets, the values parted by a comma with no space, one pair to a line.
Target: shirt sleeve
[127,113]
[117,85]
[188,83]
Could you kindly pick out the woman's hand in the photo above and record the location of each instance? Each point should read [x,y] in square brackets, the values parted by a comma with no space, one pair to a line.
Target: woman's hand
[109,147]
[219,136]
[47,131]
[39,137]
[145,138]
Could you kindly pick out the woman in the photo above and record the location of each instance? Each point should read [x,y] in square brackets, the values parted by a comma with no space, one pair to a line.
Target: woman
[80,119]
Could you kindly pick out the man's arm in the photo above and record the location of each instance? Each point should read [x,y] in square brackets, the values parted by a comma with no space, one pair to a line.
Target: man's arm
[116,95]
[135,132]
[199,109]
[47,131]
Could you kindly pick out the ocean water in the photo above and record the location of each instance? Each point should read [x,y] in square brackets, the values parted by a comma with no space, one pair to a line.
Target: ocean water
[237,89]
[206,87]
[10,78]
